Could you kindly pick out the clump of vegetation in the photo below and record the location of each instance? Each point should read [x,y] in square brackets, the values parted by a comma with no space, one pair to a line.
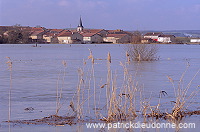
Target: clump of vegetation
[14,35]
[182,97]
[182,40]
[142,52]
[136,37]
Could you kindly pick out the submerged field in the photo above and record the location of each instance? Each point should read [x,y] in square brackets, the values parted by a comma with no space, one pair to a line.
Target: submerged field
[65,80]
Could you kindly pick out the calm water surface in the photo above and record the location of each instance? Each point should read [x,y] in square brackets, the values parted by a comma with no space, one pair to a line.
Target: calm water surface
[37,71]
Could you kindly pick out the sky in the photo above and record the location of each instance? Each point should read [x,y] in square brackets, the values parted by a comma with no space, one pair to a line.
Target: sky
[103,14]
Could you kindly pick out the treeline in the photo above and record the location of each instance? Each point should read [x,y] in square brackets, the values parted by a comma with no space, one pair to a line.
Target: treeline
[14,35]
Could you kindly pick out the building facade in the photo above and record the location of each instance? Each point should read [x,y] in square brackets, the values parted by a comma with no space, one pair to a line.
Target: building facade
[153,35]
[195,40]
[92,38]
[70,38]
[166,38]
[117,38]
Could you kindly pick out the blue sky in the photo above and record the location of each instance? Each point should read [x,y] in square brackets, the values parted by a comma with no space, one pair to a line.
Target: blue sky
[106,14]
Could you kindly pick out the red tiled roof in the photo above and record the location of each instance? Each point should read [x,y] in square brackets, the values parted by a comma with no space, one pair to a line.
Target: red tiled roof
[56,30]
[35,33]
[37,29]
[53,32]
[116,35]
[64,34]
[88,34]
[48,34]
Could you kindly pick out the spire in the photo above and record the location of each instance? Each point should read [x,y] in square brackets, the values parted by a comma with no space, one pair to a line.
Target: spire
[80,25]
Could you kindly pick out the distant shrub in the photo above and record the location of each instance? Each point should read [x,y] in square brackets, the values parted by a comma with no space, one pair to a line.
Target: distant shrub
[142,52]
[136,37]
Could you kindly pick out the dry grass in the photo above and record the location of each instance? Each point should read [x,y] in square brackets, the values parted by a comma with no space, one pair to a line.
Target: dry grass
[120,102]
[182,97]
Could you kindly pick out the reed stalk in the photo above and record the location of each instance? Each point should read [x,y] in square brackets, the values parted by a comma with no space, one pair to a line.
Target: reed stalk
[79,106]
[181,93]
[9,63]
[59,91]
[108,80]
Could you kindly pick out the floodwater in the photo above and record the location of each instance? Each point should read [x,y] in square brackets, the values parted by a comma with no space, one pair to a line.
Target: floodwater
[38,71]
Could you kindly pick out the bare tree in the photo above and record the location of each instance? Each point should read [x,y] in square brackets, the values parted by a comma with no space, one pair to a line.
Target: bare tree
[136,38]
[17,36]
[142,52]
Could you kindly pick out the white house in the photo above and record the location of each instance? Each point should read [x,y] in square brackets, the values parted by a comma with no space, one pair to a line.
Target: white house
[195,40]
[153,35]
[92,38]
[69,38]
[166,38]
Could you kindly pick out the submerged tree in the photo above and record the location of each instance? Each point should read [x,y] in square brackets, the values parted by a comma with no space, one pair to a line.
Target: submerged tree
[142,52]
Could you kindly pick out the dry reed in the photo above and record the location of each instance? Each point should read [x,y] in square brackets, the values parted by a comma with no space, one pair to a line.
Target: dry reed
[9,63]
[182,97]
[59,90]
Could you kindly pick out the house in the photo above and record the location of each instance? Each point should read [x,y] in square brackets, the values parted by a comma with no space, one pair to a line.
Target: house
[101,32]
[48,37]
[166,38]
[37,36]
[117,38]
[51,35]
[90,35]
[68,37]
[92,38]
[195,40]
[80,29]
[153,35]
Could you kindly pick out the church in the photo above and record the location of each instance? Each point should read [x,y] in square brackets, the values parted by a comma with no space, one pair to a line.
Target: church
[91,35]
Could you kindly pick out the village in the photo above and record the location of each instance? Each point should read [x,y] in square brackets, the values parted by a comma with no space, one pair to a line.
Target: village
[81,35]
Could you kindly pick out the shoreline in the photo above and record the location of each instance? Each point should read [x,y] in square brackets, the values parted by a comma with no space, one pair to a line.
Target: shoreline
[107,44]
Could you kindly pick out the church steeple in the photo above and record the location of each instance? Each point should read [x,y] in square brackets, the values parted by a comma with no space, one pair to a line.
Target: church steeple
[80,26]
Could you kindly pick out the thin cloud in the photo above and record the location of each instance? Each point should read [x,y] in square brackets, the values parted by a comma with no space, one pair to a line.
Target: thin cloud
[197,7]
[64,3]
[84,4]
